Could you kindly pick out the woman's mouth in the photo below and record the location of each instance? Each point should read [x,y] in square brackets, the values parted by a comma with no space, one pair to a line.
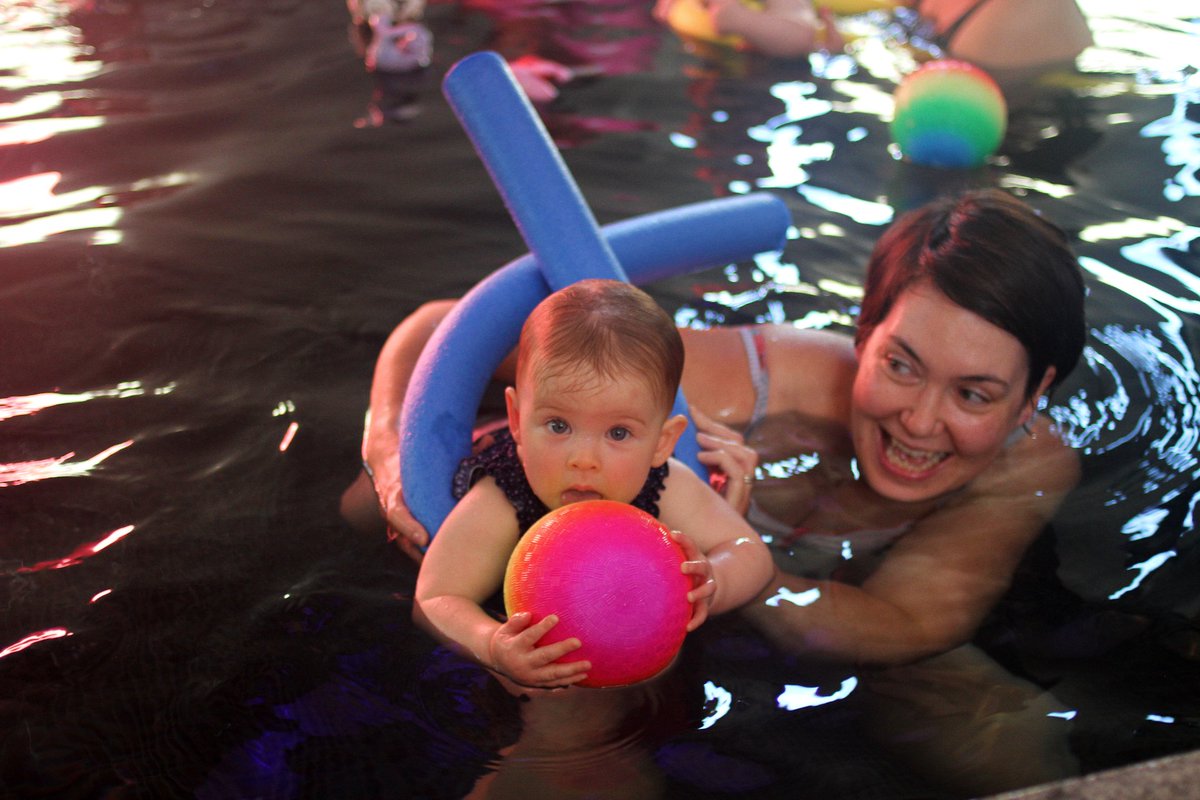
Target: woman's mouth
[909,461]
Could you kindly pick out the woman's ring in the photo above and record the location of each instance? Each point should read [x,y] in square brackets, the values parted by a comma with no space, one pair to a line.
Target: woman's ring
[748,480]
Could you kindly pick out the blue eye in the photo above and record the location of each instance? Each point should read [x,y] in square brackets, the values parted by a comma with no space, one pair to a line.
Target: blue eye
[558,426]
[619,434]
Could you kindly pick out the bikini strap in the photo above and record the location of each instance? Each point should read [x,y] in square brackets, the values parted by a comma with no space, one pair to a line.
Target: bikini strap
[755,344]
[947,36]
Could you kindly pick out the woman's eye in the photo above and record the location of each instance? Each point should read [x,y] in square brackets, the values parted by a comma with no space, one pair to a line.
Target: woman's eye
[557,426]
[619,434]
[973,397]
[898,366]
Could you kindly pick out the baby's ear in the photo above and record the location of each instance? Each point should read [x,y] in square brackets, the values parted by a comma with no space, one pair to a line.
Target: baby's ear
[672,429]
[514,414]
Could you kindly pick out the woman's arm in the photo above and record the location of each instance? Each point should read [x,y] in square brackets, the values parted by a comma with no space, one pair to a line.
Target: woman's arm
[938,581]
[381,438]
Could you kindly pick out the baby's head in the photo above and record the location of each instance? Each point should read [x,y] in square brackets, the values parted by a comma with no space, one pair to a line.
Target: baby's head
[598,366]
[607,329]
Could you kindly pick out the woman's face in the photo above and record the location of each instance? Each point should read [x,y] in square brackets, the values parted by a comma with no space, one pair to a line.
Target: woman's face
[937,393]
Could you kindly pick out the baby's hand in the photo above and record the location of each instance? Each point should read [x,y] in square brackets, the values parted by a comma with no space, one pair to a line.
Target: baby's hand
[704,586]
[513,651]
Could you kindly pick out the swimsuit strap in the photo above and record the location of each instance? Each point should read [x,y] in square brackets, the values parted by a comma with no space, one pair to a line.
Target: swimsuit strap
[755,346]
[947,36]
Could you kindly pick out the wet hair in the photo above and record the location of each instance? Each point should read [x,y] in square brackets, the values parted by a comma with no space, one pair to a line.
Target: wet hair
[994,256]
[608,327]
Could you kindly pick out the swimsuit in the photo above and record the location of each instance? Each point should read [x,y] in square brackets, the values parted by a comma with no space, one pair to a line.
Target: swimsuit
[920,30]
[756,347]
[946,37]
[500,460]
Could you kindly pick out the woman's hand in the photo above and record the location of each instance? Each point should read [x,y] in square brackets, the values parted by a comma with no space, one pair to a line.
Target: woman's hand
[513,652]
[704,586]
[402,527]
[725,452]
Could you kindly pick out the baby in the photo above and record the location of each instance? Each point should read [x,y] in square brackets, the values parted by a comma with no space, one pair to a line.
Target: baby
[598,366]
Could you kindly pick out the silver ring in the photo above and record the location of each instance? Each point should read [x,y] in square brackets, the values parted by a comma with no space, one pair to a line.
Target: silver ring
[748,480]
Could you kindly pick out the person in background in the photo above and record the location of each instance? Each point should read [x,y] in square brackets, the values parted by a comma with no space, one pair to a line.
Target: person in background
[1013,40]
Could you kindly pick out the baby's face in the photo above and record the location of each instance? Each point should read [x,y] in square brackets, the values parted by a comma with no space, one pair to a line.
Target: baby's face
[584,437]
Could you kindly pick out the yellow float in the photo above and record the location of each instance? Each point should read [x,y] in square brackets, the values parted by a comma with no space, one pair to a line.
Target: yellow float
[690,18]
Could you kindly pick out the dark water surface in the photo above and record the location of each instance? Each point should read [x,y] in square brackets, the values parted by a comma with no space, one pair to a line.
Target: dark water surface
[208,226]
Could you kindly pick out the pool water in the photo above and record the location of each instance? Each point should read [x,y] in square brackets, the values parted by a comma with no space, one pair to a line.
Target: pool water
[211,217]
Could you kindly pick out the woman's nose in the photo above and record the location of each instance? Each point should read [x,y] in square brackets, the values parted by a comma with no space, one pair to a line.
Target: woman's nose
[922,416]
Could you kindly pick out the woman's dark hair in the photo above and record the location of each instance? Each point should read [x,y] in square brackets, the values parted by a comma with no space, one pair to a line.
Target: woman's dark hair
[994,256]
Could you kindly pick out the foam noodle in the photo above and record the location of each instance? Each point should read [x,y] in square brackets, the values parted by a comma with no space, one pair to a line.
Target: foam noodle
[529,172]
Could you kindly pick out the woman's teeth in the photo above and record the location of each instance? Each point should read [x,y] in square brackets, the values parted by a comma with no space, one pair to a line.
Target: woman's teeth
[911,460]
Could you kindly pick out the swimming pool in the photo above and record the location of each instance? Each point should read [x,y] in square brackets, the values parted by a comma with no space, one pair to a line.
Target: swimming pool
[206,232]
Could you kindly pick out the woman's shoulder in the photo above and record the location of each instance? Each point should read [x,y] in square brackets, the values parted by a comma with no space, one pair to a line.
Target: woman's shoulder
[1038,464]
[812,371]
[807,371]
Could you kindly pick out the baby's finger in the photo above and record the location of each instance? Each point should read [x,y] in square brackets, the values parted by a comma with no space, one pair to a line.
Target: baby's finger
[702,591]
[699,615]
[544,656]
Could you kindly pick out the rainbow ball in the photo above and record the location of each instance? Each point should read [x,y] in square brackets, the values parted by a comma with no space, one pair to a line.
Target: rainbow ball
[611,573]
[948,114]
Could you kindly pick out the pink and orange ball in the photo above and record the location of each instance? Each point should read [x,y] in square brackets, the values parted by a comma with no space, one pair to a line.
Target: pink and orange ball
[948,114]
[611,573]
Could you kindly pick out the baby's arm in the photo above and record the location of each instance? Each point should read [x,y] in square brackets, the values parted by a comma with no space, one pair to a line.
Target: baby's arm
[463,567]
[731,562]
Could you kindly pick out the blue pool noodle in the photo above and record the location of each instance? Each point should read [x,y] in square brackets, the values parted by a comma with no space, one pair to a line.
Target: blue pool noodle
[453,371]
[566,245]
[529,172]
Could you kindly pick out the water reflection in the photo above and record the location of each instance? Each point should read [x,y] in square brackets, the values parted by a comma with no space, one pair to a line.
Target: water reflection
[31,404]
[80,553]
[22,472]
[1181,138]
